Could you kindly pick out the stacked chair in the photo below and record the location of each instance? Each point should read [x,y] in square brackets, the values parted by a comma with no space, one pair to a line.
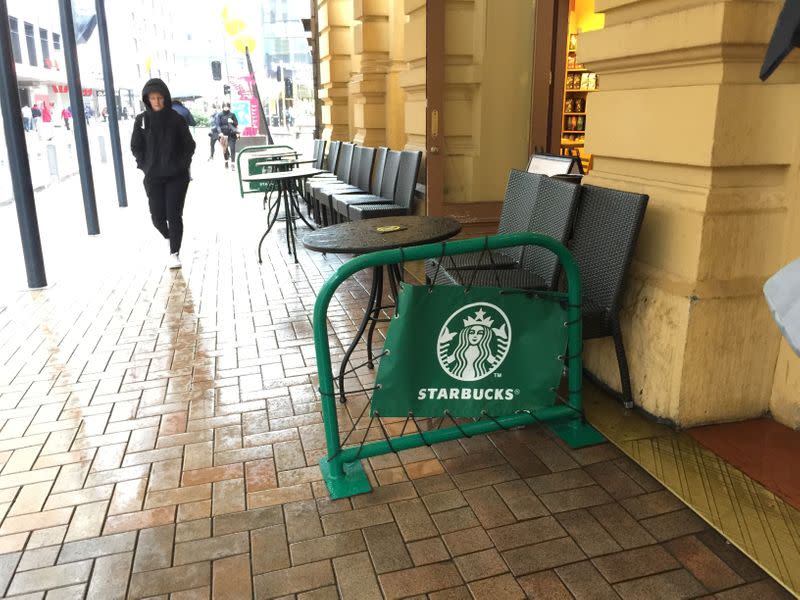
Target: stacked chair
[383,187]
[330,167]
[402,197]
[358,182]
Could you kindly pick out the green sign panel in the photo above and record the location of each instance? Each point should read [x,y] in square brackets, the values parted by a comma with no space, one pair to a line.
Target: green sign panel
[469,351]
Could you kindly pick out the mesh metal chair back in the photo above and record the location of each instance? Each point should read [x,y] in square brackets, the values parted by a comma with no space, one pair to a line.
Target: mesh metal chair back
[606,229]
[319,153]
[407,178]
[553,164]
[377,170]
[345,161]
[553,215]
[361,174]
[517,209]
[390,174]
[333,156]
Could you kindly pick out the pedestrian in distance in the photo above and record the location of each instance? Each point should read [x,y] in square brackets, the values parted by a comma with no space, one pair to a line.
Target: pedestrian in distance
[66,115]
[36,115]
[163,147]
[229,132]
[46,128]
[27,118]
[213,132]
[179,108]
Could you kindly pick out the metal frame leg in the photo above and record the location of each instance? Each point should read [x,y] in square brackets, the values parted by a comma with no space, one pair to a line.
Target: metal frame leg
[375,317]
[270,224]
[374,299]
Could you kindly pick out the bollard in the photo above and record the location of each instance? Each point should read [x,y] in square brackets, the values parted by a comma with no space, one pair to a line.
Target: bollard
[102,142]
[52,161]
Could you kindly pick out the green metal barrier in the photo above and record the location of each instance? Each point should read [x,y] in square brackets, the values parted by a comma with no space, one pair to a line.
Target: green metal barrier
[341,468]
[252,169]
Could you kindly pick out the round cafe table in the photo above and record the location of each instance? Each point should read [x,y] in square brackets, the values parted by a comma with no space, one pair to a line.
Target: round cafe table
[371,235]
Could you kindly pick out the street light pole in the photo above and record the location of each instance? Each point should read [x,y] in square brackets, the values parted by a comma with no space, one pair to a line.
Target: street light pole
[111,105]
[76,100]
[18,160]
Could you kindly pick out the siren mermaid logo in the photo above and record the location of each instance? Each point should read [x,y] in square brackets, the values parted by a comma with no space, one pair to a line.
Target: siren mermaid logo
[474,341]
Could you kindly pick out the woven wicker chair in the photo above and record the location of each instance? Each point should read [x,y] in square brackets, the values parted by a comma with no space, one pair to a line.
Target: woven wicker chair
[606,229]
[552,213]
[603,239]
[515,216]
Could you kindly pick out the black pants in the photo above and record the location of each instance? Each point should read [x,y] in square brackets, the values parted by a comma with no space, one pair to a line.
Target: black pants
[214,139]
[167,197]
[231,150]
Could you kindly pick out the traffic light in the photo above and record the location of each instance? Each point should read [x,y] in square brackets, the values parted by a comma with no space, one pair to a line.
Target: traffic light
[278,72]
[226,90]
[216,70]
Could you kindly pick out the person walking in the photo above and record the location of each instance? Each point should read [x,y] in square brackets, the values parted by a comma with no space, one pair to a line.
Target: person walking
[27,118]
[66,115]
[163,147]
[46,130]
[213,132]
[36,115]
[179,108]
[228,127]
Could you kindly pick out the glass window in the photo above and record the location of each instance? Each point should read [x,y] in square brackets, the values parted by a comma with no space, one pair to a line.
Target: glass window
[56,41]
[45,41]
[13,25]
[31,44]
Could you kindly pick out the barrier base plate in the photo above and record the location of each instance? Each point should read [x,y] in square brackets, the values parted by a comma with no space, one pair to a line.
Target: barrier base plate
[577,433]
[354,481]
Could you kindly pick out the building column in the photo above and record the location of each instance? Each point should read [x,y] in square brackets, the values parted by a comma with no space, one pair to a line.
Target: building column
[335,50]
[368,83]
[682,116]
[412,79]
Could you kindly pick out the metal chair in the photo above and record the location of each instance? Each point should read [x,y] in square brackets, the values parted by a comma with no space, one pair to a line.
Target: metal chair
[403,194]
[386,182]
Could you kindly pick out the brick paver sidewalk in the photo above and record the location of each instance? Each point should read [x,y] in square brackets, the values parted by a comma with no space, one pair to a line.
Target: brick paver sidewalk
[160,432]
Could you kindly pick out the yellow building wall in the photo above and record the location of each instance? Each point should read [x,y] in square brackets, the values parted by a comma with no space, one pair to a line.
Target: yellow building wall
[682,116]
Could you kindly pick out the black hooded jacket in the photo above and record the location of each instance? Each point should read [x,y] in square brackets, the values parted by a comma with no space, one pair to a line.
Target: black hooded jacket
[161,141]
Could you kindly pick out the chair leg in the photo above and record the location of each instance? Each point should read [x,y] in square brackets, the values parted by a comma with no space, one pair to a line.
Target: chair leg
[624,375]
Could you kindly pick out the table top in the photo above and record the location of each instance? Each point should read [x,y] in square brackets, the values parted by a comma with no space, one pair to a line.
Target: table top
[358,237]
[268,154]
[284,163]
[281,175]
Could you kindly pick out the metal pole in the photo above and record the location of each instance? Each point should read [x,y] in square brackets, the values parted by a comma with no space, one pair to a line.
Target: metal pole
[113,116]
[76,100]
[258,96]
[18,160]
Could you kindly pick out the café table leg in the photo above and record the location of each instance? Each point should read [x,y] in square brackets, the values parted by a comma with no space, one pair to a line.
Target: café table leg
[299,213]
[373,306]
[270,224]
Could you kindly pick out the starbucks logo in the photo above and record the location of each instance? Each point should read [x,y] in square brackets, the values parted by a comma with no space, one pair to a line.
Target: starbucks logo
[474,341]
